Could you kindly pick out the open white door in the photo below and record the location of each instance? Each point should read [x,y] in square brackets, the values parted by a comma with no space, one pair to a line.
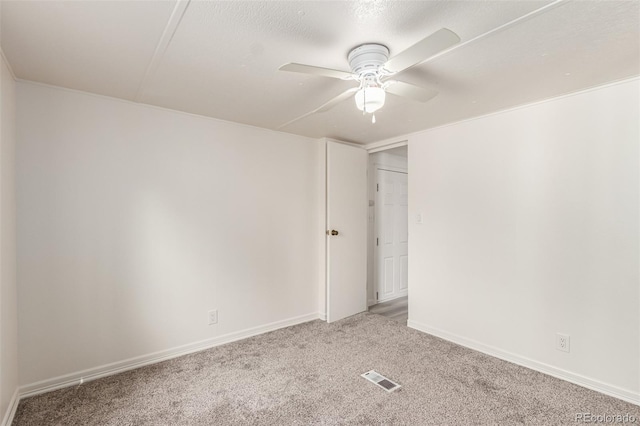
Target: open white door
[347,220]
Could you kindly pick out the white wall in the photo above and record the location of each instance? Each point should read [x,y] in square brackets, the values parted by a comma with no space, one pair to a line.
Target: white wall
[531,228]
[8,291]
[134,221]
[384,159]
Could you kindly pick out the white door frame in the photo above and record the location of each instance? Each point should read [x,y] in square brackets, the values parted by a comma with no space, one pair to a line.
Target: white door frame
[322,225]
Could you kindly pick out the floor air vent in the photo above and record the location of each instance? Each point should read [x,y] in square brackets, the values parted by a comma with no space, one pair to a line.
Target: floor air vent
[381,381]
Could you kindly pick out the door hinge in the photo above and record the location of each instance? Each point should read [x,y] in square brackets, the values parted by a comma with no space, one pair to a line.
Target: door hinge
[377,187]
[376,241]
[376,295]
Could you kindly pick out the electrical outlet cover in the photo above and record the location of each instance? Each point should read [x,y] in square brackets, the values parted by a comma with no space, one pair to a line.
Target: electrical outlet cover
[562,342]
[213,317]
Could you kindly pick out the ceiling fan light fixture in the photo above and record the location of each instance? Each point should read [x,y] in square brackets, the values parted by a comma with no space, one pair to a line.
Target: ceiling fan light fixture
[371,67]
[370,99]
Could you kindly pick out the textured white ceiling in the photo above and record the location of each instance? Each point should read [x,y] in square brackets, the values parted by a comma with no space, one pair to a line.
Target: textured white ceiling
[221,59]
[97,46]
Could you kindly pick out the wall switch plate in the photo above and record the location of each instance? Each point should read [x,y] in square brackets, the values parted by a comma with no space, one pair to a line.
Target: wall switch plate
[562,342]
[213,317]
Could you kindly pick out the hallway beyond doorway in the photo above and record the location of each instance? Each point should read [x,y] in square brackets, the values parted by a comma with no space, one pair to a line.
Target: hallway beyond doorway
[396,309]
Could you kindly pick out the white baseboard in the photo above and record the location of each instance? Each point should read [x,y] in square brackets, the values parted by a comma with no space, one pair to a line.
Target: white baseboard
[11,409]
[371,302]
[587,382]
[322,316]
[80,377]
[394,297]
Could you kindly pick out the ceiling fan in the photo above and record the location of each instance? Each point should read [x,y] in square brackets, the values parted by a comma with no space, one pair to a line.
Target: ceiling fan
[371,68]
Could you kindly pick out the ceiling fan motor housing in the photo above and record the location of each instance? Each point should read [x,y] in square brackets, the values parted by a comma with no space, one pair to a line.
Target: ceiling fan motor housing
[367,58]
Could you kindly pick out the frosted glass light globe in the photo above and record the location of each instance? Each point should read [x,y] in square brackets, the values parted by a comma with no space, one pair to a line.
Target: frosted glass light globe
[370,99]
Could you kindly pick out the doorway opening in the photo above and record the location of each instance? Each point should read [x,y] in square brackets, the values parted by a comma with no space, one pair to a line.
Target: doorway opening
[387,252]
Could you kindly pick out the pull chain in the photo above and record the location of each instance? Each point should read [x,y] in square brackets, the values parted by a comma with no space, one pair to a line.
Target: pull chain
[364,97]
[364,108]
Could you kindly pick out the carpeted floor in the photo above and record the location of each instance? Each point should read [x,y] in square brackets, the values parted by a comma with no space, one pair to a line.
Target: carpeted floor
[310,374]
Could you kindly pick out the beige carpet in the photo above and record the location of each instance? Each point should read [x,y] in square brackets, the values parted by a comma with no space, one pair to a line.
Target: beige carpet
[310,374]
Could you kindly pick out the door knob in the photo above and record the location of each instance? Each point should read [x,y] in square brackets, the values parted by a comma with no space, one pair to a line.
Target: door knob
[332,232]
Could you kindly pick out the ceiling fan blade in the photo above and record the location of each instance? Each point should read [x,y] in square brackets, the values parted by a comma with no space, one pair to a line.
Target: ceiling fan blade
[310,69]
[422,50]
[406,90]
[326,106]
[335,101]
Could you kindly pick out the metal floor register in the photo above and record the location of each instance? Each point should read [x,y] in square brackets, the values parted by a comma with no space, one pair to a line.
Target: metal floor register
[381,381]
